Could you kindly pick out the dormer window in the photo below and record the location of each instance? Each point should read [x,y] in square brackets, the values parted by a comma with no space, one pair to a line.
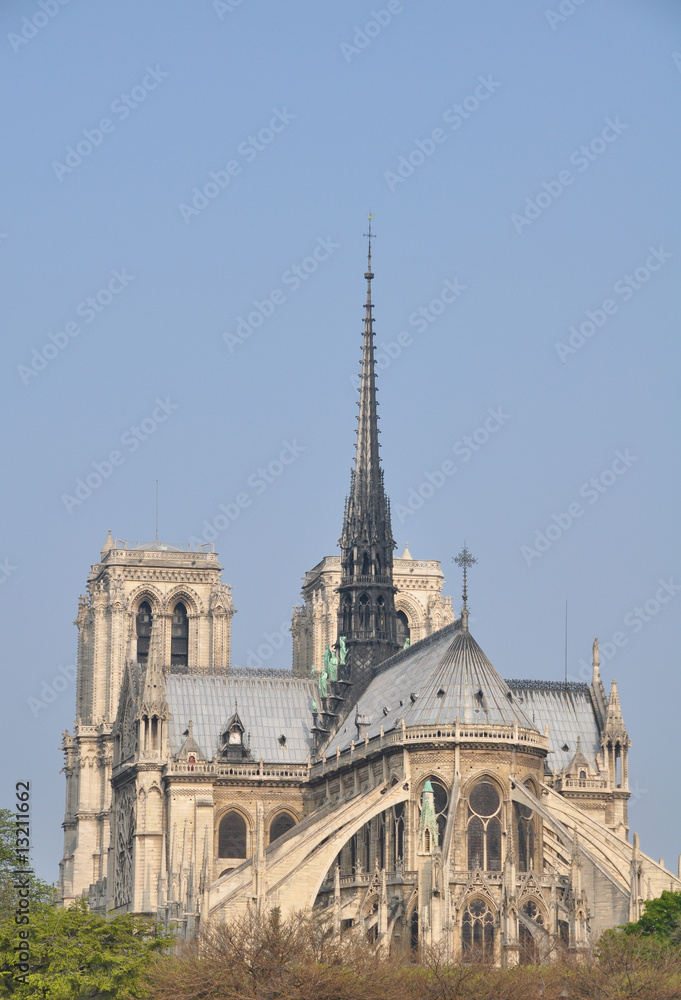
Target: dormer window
[234,737]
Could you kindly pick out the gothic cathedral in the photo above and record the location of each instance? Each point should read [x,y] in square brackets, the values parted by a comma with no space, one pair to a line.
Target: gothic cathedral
[392,777]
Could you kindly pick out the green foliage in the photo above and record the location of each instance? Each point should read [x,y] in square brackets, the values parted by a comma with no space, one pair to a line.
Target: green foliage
[41,892]
[661,918]
[76,954]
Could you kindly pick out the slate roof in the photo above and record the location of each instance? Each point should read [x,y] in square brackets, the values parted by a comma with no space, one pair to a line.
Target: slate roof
[570,713]
[269,707]
[435,681]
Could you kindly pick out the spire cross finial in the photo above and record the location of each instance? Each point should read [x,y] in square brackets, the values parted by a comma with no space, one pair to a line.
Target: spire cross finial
[370,236]
[464,560]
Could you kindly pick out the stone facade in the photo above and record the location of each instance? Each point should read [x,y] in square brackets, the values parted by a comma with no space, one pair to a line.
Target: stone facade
[124,579]
[420,605]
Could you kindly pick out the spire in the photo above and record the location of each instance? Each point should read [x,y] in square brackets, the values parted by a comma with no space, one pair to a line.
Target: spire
[464,560]
[367,505]
[614,723]
[367,617]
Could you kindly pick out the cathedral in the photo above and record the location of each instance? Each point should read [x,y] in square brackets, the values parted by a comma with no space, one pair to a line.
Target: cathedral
[391,778]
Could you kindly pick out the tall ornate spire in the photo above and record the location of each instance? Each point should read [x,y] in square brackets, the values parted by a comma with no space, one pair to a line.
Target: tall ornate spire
[367,606]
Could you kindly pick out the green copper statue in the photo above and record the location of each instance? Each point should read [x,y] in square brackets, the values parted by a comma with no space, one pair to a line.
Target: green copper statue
[313,670]
[407,643]
[343,650]
[333,667]
[313,706]
[322,684]
[327,658]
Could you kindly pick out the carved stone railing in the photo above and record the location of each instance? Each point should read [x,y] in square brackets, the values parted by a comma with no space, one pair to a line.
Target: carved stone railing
[456,733]
[255,771]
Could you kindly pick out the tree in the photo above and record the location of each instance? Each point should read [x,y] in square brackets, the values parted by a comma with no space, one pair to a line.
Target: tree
[78,955]
[40,892]
[661,917]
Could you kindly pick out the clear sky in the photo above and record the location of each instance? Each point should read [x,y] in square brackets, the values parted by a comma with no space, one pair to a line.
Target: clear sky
[175,163]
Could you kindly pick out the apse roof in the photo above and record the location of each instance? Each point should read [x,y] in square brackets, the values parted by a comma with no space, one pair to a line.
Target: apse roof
[435,682]
[269,707]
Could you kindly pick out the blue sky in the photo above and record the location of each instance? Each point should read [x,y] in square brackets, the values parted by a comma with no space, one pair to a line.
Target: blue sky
[520,160]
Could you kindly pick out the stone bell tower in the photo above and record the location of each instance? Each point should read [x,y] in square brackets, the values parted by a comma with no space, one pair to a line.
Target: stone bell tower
[130,590]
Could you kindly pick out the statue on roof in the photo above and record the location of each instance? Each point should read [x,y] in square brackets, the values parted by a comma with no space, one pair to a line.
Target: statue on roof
[313,670]
[327,658]
[407,643]
[343,650]
[333,667]
[323,690]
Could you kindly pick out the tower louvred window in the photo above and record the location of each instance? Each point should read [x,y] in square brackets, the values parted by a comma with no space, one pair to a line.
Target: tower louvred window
[143,629]
[179,643]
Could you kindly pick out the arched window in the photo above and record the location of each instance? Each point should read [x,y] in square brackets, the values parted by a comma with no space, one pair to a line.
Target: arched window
[380,841]
[364,613]
[403,630]
[398,833]
[380,614]
[477,931]
[484,827]
[179,642]
[232,836]
[529,952]
[347,614]
[143,624]
[582,779]
[440,804]
[366,565]
[525,827]
[280,825]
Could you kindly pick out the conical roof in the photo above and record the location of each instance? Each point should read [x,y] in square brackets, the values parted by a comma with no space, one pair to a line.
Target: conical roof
[434,682]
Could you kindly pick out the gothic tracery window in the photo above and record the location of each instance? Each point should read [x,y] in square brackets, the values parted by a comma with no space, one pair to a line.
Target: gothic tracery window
[398,833]
[179,642]
[526,838]
[380,614]
[232,836]
[280,825]
[364,613]
[143,631]
[484,827]
[477,931]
